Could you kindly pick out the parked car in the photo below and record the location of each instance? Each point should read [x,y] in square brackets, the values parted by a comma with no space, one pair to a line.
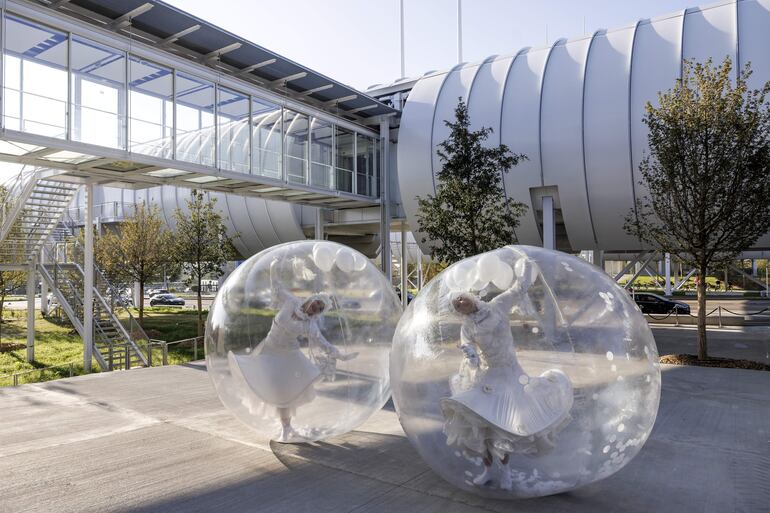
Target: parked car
[153,292]
[166,299]
[655,304]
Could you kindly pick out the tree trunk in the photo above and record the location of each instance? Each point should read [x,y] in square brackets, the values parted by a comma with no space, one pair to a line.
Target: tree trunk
[702,345]
[200,305]
[2,302]
[141,304]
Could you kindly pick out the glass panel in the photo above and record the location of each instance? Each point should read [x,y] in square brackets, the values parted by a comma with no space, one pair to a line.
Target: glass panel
[365,166]
[98,93]
[321,153]
[266,132]
[296,127]
[194,120]
[35,79]
[344,159]
[151,108]
[233,131]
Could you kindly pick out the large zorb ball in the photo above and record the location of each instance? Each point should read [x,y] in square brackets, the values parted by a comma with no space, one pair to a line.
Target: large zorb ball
[524,372]
[297,340]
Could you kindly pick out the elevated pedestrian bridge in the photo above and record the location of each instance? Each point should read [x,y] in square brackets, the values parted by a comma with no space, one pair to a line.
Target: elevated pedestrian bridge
[135,94]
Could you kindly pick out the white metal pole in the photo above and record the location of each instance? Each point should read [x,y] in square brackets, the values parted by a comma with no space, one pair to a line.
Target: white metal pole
[386,264]
[549,223]
[404,266]
[31,283]
[88,282]
[420,276]
[667,260]
[43,289]
[319,224]
[459,31]
[403,59]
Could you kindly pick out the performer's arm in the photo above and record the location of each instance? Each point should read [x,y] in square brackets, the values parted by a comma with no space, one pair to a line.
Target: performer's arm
[468,347]
[317,338]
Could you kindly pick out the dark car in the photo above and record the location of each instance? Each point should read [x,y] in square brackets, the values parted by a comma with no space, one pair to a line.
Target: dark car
[655,304]
[166,299]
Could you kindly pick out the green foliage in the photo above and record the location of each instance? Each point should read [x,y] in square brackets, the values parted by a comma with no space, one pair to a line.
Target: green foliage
[138,251]
[470,213]
[706,175]
[9,282]
[201,245]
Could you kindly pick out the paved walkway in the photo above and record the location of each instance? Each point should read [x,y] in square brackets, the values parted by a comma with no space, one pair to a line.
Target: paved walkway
[158,440]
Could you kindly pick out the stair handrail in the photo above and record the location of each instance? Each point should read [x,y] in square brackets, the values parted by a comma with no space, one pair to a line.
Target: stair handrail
[135,327]
[65,305]
[18,193]
[74,314]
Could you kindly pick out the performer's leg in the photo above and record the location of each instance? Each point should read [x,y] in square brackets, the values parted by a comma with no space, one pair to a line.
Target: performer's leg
[485,476]
[287,432]
[506,482]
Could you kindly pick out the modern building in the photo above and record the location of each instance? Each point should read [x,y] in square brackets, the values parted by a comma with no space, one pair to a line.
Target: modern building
[108,103]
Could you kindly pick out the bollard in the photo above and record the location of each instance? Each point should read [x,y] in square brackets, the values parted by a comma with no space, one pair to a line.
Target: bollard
[110,357]
[195,350]
[128,356]
[719,314]
[72,369]
[15,380]
[165,353]
[676,315]
[149,353]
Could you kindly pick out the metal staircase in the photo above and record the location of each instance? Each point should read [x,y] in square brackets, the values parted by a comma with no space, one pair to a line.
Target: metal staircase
[31,224]
[34,205]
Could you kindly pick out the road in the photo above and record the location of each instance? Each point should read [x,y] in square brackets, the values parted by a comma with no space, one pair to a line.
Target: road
[745,343]
[190,302]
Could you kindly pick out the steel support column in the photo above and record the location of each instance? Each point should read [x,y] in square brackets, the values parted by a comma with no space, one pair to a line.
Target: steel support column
[549,223]
[319,224]
[88,281]
[404,267]
[43,289]
[667,265]
[31,284]
[598,258]
[385,256]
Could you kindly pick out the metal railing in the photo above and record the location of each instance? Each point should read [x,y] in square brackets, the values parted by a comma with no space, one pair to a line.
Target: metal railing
[15,379]
[675,313]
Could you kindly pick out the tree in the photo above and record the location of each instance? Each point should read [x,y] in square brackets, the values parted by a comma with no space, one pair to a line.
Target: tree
[470,213]
[706,172]
[10,281]
[201,243]
[136,251]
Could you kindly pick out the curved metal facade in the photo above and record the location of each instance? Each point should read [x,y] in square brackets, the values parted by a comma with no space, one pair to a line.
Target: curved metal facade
[258,223]
[575,109]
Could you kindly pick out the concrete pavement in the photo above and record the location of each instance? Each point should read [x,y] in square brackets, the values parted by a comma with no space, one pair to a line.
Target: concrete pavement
[159,440]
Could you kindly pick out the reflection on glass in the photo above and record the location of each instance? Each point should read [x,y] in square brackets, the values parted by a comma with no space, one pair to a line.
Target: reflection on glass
[296,127]
[194,120]
[151,108]
[366,164]
[35,78]
[98,93]
[266,133]
[233,130]
[321,153]
[345,160]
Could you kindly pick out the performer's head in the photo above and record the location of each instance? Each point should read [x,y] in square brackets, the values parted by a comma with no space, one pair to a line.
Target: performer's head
[314,305]
[464,303]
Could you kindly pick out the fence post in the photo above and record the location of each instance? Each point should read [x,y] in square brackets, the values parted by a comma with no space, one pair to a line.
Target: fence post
[195,349]
[128,356]
[676,315]
[72,369]
[719,313]
[15,380]
[165,353]
[149,353]
[110,362]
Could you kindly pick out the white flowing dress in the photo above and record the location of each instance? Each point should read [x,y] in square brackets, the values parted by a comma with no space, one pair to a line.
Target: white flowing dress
[277,371]
[496,406]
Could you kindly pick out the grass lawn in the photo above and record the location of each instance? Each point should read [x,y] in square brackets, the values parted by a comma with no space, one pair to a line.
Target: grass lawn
[54,345]
[61,346]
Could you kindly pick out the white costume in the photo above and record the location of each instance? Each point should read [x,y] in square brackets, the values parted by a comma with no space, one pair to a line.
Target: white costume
[496,408]
[277,371]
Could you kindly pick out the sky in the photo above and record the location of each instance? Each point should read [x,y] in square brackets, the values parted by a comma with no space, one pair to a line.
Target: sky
[356,42]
